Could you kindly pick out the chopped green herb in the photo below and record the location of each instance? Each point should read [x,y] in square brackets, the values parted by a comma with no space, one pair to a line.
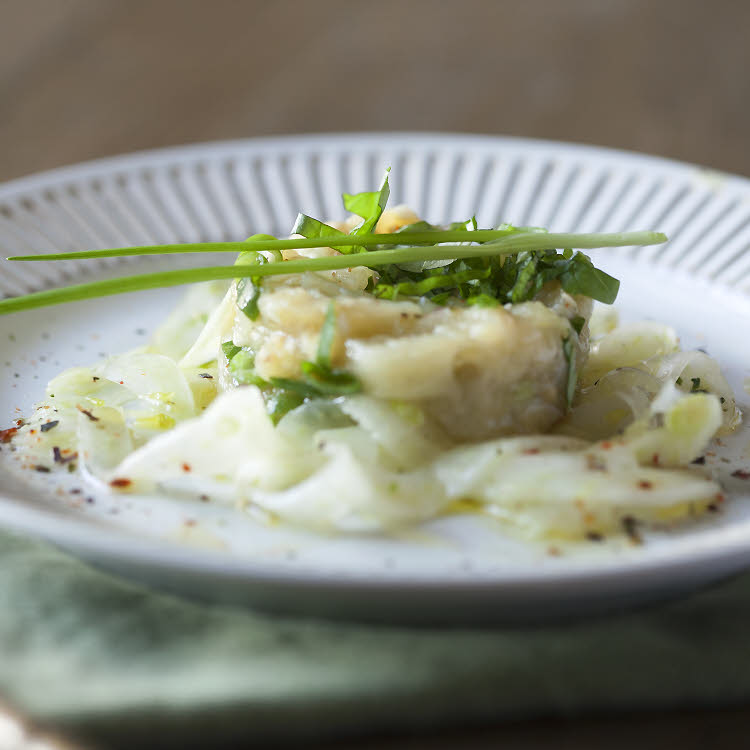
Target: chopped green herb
[577,322]
[480,300]
[230,349]
[296,386]
[529,271]
[242,368]
[330,382]
[327,336]
[312,228]
[248,287]
[280,402]
[248,291]
[368,206]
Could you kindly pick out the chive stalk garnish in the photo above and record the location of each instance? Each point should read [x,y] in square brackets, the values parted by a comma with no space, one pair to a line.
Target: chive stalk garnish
[336,241]
[427,238]
[496,244]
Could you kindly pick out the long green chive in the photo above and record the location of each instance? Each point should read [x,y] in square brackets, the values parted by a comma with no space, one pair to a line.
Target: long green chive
[335,241]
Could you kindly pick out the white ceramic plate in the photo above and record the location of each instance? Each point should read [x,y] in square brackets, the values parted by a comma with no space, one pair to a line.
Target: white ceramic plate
[452,570]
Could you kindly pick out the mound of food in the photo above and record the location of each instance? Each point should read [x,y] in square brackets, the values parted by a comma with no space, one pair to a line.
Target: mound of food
[364,397]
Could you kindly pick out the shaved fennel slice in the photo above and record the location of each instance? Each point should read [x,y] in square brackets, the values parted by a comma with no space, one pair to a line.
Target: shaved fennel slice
[399,428]
[234,434]
[610,405]
[677,428]
[350,493]
[104,412]
[177,334]
[695,371]
[102,443]
[566,491]
[627,346]
[206,346]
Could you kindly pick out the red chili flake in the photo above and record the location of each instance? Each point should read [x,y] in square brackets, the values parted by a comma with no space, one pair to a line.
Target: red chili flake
[531,451]
[20,422]
[122,382]
[190,522]
[186,467]
[719,497]
[644,484]
[741,474]
[204,498]
[88,414]
[606,445]
[655,459]
[120,483]
[7,435]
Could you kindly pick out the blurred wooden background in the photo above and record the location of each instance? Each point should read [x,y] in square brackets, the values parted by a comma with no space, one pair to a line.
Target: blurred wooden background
[86,78]
[81,79]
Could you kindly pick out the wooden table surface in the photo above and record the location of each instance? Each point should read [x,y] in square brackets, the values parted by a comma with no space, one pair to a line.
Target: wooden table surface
[80,79]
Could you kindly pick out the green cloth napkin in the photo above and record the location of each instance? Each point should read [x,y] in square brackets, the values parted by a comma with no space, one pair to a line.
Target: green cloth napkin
[88,652]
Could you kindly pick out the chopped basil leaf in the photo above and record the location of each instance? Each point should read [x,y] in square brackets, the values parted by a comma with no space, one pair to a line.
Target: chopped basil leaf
[576,275]
[312,228]
[230,349]
[248,287]
[248,290]
[369,206]
[581,277]
[327,336]
[481,300]
[280,402]
[430,282]
[330,382]
[296,386]
[242,369]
